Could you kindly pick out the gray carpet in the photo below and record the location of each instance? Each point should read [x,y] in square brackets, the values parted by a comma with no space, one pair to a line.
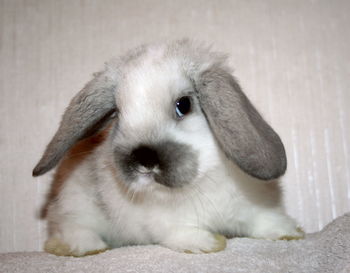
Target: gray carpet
[321,252]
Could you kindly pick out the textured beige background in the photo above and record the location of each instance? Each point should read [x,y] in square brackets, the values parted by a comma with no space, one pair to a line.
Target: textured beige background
[292,59]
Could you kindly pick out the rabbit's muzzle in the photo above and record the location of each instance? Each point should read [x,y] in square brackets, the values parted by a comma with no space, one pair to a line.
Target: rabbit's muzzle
[169,163]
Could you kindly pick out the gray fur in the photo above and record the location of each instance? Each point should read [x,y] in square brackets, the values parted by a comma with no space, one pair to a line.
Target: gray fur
[89,111]
[239,129]
[177,163]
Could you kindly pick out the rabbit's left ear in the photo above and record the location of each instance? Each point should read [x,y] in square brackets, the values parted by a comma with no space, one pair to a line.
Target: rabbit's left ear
[242,133]
[89,111]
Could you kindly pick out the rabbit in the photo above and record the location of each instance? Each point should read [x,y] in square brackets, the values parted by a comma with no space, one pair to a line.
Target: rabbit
[182,158]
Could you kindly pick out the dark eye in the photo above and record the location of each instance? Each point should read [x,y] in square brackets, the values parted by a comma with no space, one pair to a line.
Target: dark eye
[183,106]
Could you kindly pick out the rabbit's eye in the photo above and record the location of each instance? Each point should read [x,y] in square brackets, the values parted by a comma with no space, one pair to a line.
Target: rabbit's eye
[183,106]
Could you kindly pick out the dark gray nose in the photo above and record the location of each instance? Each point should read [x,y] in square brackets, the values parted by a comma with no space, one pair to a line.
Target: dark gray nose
[145,156]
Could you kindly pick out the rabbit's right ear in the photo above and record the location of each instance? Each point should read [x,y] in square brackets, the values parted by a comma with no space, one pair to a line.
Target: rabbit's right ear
[242,133]
[88,112]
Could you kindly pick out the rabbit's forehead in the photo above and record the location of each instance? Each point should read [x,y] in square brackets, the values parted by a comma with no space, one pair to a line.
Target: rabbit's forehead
[152,87]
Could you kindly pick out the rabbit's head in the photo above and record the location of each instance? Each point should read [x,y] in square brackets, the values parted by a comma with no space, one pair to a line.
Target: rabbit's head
[173,111]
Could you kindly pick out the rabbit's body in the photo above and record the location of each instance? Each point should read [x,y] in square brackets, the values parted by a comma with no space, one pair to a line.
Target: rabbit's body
[107,214]
[162,176]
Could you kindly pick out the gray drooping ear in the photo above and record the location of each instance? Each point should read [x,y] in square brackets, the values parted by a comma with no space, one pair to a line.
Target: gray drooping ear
[241,132]
[88,112]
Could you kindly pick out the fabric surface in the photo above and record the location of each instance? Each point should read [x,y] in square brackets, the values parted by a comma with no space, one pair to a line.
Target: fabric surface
[321,252]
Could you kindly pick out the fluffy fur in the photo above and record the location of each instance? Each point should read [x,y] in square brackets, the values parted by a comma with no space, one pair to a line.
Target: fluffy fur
[211,162]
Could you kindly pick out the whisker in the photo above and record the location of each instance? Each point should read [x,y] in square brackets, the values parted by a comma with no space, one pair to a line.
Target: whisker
[219,215]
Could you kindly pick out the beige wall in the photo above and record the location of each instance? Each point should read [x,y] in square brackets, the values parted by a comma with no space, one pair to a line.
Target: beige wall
[292,59]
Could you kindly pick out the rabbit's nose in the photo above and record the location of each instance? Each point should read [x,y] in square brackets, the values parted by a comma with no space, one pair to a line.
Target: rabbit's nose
[145,156]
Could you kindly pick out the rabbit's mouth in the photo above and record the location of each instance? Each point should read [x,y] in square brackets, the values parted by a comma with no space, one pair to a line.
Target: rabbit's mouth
[147,171]
[168,163]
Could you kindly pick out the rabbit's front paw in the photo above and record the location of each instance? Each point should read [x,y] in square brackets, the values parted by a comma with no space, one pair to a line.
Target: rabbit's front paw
[83,244]
[195,241]
[297,234]
[276,226]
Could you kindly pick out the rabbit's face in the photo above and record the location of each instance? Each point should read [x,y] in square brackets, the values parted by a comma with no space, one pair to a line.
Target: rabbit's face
[177,108]
[161,135]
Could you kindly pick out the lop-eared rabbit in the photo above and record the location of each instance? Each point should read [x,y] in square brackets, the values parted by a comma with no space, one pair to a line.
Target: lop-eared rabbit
[183,160]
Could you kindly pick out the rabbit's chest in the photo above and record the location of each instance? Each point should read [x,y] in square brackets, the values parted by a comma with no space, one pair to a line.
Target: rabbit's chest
[145,223]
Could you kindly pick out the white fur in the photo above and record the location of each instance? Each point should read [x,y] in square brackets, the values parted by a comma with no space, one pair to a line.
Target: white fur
[95,209]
